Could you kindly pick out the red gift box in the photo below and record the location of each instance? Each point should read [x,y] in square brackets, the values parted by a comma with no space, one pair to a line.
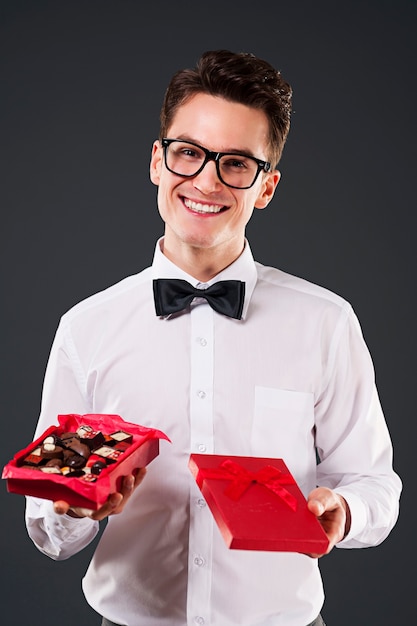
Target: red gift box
[257,504]
[142,450]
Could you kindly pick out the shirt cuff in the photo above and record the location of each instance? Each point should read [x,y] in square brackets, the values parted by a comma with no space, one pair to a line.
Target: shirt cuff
[58,536]
[358,515]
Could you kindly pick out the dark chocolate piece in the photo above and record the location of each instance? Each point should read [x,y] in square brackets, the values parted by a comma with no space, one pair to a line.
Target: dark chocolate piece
[79,448]
[108,453]
[75,461]
[55,463]
[122,446]
[68,438]
[121,435]
[50,449]
[97,467]
[34,460]
[92,438]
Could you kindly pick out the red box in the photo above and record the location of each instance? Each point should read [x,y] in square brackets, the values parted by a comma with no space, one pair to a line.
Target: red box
[143,449]
[257,504]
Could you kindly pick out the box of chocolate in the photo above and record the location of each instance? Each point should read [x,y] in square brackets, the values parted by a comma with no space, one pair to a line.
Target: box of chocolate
[257,504]
[82,459]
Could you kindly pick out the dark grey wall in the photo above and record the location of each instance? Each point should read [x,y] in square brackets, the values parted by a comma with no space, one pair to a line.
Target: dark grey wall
[81,86]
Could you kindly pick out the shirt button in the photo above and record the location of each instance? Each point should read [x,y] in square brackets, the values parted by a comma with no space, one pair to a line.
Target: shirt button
[199,620]
[201,447]
[199,561]
[201,502]
[202,341]
[201,394]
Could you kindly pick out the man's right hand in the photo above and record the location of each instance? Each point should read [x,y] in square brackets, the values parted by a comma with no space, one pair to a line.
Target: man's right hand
[114,504]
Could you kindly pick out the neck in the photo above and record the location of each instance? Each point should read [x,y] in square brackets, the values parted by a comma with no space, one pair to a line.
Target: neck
[201,263]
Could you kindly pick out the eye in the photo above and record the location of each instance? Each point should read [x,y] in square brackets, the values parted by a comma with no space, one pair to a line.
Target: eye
[235,163]
[187,151]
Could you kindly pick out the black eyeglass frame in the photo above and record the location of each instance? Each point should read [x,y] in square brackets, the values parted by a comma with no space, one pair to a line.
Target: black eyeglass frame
[214,156]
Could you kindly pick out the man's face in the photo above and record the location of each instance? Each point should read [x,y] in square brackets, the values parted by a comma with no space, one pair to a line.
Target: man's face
[201,212]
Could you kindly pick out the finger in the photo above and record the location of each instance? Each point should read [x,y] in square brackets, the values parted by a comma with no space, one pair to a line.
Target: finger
[130,483]
[78,511]
[127,487]
[139,475]
[317,507]
[109,507]
[322,497]
[114,504]
[61,507]
[317,556]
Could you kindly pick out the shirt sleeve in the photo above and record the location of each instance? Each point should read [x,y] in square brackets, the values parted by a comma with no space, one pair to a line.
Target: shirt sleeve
[353,441]
[59,536]
[65,383]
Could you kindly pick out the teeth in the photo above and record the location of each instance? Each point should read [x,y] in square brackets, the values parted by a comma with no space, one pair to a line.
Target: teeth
[202,208]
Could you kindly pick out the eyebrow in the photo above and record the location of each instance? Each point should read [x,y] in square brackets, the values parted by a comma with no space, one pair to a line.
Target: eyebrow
[244,151]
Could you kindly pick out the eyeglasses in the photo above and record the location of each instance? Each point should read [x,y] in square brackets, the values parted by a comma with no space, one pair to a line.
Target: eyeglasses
[187,159]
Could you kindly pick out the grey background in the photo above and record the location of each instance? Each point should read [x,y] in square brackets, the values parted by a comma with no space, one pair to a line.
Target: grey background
[81,87]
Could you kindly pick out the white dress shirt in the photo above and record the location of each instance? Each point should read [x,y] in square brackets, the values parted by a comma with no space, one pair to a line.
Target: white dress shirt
[292,377]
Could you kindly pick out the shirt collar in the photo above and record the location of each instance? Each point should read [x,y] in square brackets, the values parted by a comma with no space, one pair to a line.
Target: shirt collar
[242,269]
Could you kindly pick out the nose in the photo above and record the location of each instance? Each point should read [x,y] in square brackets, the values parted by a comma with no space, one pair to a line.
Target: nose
[207,181]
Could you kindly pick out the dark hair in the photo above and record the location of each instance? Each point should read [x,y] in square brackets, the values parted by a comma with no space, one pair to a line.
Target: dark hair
[239,77]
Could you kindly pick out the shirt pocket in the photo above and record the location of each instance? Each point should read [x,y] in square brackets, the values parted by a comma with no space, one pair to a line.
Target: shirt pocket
[283,427]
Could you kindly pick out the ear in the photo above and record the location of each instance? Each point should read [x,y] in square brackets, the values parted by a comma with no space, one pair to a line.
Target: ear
[156,163]
[266,193]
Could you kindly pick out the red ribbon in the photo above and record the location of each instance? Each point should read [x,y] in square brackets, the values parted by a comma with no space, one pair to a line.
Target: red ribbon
[269,476]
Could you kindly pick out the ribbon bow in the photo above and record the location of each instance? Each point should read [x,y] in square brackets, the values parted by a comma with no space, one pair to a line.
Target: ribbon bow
[269,476]
[172,295]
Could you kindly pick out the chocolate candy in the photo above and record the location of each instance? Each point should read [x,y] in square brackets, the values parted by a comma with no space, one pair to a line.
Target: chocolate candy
[50,449]
[97,467]
[92,438]
[82,454]
[121,435]
[55,463]
[108,453]
[50,469]
[71,472]
[122,446]
[75,461]
[68,438]
[79,448]
[71,441]
[34,460]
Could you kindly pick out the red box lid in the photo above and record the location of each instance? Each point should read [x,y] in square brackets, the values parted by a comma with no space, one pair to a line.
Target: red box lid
[257,504]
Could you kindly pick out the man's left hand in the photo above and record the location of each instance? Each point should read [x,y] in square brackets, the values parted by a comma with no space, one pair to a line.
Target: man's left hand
[333,513]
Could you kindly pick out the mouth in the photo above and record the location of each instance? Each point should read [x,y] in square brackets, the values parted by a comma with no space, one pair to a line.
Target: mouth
[202,208]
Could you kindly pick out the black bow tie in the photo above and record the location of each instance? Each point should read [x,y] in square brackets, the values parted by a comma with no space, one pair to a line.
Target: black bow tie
[173,295]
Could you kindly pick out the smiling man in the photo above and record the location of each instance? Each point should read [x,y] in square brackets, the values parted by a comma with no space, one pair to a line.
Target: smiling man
[226,356]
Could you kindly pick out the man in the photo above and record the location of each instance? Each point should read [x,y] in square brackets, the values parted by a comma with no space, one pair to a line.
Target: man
[284,373]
